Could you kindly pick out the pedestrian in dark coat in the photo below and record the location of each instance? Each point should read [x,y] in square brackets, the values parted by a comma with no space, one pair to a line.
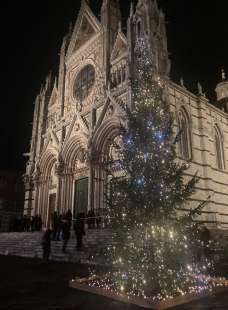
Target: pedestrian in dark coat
[55,224]
[98,219]
[33,224]
[79,228]
[66,234]
[91,219]
[46,244]
[206,238]
[39,223]
[59,227]
[68,217]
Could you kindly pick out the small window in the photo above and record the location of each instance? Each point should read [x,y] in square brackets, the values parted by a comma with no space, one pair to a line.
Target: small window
[94,117]
[64,133]
[84,82]
[219,149]
[139,29]
[185,137]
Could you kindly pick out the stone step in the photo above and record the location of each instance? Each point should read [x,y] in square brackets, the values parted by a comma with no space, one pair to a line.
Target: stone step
[29,245]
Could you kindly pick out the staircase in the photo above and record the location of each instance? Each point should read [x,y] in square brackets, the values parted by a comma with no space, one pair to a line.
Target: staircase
[29,245]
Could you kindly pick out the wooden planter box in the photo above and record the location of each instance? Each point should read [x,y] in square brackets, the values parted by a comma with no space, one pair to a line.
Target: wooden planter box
[82,285]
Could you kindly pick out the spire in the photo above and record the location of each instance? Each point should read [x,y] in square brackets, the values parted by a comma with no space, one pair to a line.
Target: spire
[120,26]
[223,74]
[162,14]
[200,90]
[182,82]
[132,9]
[110,20]
[222,92]
[85,2]
[114,3]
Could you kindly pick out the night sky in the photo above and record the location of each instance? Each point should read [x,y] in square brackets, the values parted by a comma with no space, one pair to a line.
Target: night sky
[31,36]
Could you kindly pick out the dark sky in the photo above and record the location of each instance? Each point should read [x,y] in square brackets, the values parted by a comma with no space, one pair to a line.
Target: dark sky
[31,35]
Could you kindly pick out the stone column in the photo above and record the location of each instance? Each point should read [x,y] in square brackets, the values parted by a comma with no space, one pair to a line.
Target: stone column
[46,202]
[97,186]
[68,192]
[91,186]
[36,196]
[70,200]
[59,170]
[40,198]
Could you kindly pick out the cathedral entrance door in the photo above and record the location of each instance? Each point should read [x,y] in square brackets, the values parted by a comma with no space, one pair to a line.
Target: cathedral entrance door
[51,208]
[81,196]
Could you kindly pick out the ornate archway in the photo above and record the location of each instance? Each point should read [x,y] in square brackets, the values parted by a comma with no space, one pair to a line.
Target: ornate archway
[45,174]
[102,142]
[75,168]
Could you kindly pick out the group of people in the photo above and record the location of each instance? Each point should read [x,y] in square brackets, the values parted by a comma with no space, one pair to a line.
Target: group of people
[26,223]
[61,231]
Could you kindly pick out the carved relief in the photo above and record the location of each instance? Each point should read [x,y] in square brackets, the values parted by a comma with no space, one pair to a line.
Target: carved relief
[85,33]
[59,166]
[111,110]
[81,161]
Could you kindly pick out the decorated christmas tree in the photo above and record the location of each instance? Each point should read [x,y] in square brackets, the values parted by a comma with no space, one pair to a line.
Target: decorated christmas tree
[155,247]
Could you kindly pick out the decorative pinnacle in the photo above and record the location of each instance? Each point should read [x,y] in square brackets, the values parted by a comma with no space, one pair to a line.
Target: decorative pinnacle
[84,2]
[200,89]
[132,9]
[119,26]
[182,82]
[223,74]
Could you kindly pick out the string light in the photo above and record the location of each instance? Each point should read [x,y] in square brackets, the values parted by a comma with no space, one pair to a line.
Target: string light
[154,252]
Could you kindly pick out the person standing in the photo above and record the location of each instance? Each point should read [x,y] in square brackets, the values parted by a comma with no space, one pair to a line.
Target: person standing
[46,244]
[68,217]
[55,225]
[206,239]
[91,219]
[39,223]
[66,234]
[79,228]
[98,219]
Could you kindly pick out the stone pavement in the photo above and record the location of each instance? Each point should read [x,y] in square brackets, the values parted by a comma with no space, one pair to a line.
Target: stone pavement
[27,284]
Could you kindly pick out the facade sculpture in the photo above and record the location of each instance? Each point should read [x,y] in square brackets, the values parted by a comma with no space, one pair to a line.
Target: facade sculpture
[77,116]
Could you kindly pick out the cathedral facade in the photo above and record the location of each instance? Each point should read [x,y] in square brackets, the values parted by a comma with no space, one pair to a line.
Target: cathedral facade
[77,116]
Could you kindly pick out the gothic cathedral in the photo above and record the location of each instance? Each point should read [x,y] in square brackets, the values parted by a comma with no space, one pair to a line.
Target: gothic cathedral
[78,113]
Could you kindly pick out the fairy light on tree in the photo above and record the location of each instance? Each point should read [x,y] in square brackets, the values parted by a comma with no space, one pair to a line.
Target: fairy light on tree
[155,252]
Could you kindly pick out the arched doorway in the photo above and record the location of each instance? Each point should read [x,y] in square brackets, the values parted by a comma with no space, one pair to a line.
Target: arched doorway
[75,177]
[81,196]
[53,183]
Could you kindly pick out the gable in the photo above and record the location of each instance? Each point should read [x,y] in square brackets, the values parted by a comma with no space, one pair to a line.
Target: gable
[85,34]
[54,96]
[120,46]
[86,27]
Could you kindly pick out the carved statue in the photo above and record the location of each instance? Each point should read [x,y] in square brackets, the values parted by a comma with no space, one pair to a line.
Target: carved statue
[182,82]
[200,89]
[60,165]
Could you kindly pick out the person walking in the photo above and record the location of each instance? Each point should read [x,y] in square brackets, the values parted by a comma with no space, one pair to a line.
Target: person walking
[46,244]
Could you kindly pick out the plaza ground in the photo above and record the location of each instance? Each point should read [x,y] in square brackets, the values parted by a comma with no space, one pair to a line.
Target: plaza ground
[31,284]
